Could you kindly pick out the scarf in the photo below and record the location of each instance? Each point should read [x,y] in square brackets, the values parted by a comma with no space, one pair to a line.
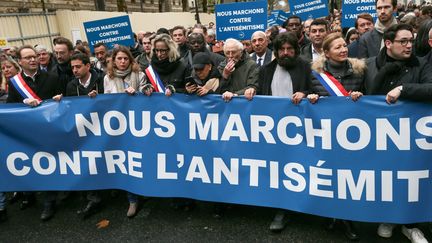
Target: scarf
[120,79]
[380,27]
[164,66]
[388,68]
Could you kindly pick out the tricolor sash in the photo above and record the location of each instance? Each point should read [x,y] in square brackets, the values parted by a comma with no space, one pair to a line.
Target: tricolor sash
[22,87]
[155,80]
[332,85]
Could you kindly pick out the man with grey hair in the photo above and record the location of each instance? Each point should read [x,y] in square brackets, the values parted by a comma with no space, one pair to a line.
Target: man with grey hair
[47,61]
[262,54]
[238,70]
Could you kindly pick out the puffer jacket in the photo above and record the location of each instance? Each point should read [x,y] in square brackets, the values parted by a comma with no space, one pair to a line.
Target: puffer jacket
[352,80]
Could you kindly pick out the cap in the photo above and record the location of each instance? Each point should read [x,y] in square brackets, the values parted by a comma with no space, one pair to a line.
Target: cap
[200,60]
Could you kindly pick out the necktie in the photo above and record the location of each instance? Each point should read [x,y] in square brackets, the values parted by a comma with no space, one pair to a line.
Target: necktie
[259,61]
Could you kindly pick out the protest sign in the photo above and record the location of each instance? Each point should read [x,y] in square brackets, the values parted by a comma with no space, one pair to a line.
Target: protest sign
[363,161]
[110,31]
[309,8]
[271,21]
[282,17]
[240,20]
[351,8]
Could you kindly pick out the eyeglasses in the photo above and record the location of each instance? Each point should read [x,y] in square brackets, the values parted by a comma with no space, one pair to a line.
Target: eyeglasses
[29,58]
[161,51]
[404,42]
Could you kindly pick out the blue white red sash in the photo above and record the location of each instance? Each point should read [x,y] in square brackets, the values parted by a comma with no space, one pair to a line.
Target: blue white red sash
[155,80]
[332,85]
[22,87]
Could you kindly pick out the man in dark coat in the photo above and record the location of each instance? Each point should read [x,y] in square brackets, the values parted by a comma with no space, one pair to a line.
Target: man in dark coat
[319,29]
[371,42]
[45,86]
[86,81]
[396,72]
[288,75]
[197,44]
[63,50]
[262,54]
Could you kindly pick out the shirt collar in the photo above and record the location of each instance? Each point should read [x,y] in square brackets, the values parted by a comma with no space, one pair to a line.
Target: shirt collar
[86,83]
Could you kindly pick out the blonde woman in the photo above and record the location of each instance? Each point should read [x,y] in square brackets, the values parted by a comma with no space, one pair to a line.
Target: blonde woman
[9,68]
[166,72]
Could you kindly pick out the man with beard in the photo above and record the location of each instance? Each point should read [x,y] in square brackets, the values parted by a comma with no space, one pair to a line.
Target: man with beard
[101,53]
[288,75]
[63,50]
[197,44]
[238,70]
[318,30]
[371,42]
[178,34]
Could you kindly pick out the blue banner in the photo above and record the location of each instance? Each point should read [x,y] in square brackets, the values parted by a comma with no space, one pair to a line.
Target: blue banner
[309,9]
[364,160]
[240,20]
[110,31]
[352,8]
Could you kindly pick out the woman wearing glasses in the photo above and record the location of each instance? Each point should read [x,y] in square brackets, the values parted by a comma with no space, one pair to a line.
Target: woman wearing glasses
[166,73]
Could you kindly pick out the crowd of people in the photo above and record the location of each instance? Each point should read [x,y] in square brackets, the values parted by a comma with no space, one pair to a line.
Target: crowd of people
[390,57]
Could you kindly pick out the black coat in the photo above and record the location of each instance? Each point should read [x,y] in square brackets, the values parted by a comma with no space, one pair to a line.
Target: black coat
[300,76]
[74,88]
[306,52]
[175,75]
[46,85]
[369,44]
[415,76]
[352,80]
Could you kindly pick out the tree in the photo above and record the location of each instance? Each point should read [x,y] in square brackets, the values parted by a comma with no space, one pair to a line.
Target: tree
[121,6]
[185,6]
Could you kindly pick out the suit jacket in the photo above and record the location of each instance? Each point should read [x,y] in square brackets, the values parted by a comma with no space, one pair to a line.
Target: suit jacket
[46,85]
[268,57]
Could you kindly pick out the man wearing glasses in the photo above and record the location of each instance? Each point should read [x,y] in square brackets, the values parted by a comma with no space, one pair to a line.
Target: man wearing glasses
[43,84]
[32,86]
[396,72]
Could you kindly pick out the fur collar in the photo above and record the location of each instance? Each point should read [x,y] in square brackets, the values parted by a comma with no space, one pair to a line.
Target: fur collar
[358,66]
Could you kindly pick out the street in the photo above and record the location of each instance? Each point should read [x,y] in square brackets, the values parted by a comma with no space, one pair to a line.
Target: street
[158,221]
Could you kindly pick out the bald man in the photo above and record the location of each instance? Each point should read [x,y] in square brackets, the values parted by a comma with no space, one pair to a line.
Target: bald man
[262,54]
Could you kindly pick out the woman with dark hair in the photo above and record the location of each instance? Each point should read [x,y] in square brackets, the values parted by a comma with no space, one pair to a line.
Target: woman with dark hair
[334,74]
[124,76]
[351,36]
[421,44]
[166,72]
